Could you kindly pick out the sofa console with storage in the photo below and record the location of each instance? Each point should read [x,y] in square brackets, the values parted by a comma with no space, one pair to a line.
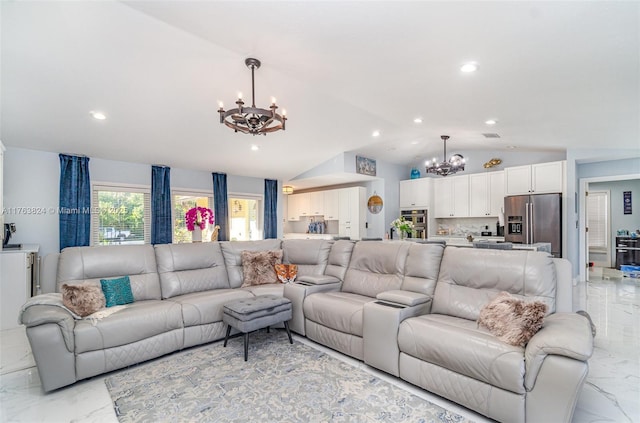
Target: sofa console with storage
[411,310]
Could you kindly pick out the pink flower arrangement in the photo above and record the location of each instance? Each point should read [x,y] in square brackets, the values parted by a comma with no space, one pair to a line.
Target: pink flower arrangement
[198,216]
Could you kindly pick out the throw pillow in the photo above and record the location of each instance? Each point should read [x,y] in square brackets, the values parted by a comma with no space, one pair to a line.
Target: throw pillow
[258,267]
[117,291]
[512,320]
[286,272]
[83,299]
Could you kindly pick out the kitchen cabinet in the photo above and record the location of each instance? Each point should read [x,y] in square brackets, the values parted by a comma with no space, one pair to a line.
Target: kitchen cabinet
[352,214]
[486,194]
[316,203]
[540,178]
[331,204]
[18,274]
[416,193]
[451,196]
[295,205]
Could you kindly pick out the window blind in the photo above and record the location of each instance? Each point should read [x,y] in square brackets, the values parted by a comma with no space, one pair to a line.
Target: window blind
[598,220]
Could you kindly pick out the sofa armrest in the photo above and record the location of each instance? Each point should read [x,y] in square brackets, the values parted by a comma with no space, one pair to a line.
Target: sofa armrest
[317,280]
[564,334]
[407,298]
[40,314]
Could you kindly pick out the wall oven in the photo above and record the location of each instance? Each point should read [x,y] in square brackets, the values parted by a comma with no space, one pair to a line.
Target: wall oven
[419,220]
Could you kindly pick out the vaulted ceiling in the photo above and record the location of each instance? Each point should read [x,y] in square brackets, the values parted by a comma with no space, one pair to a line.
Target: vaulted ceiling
[555,76]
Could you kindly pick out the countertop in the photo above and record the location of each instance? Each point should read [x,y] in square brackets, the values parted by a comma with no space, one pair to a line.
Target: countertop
[26,248]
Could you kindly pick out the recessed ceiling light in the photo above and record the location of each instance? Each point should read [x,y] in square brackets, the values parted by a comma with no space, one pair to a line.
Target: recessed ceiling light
[98,115]
[469,67]
[417,120]
[414,142]
[255,148]
[491,122]
[375,134]
[511,146]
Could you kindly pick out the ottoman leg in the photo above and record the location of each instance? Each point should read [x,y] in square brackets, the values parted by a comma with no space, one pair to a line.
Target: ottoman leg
[246,345]
[286,326]
[226,337]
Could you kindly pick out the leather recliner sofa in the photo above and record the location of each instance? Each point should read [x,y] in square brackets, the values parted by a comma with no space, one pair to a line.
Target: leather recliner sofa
[405,308]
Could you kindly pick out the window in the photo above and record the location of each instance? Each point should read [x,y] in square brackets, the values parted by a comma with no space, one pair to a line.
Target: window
[182,202]
[121,214]
[598,220]
[245,214]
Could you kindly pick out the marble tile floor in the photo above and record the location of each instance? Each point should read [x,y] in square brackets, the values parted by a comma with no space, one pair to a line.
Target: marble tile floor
[611,392]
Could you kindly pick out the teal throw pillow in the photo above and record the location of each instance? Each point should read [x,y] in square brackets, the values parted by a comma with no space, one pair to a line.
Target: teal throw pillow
[117,291]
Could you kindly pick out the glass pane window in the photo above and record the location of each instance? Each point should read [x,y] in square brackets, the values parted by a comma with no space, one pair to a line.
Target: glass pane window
[182,203]
[122,216]
[245,213]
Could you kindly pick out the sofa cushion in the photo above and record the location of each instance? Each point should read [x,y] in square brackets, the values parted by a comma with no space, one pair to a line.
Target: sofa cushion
[90,264]
[232,253]
[136,321]
[266,289]
[194,267]
[511,319]
[258,267]
[470,277]
[422,268]
[339,258]
[376,267]
[310,255]
[460,346]
[83,299]
[117,291]
[202,308]
[340,311]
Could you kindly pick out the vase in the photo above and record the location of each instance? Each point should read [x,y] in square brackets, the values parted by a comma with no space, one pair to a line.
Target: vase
[196,235]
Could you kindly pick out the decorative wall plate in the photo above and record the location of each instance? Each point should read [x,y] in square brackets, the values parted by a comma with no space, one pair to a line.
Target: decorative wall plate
[375,204]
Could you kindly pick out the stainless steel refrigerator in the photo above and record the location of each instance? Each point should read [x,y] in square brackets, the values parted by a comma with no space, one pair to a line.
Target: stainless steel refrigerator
[534,218]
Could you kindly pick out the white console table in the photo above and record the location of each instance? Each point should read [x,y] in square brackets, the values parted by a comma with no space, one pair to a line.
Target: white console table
[18,282]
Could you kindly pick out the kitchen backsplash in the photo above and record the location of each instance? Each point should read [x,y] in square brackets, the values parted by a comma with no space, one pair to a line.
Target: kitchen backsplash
[463,227]
[302,226]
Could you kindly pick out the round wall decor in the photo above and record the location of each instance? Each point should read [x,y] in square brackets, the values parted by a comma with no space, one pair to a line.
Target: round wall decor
[375,204]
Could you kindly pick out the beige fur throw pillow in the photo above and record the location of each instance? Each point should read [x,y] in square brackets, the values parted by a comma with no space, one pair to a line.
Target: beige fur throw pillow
[83,299]
[258,267]
[512,320]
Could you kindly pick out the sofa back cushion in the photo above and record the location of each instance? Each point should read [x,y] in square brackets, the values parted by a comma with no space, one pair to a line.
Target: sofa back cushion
[376,267]
[422,268]
[311,255]
[232,253]
[194,267]
[339,258]
[469,278]
[90,264]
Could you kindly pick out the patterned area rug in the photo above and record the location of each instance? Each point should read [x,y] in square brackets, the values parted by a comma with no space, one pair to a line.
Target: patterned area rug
[280,383]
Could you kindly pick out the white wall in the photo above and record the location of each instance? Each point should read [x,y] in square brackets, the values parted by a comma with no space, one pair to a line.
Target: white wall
[32,182]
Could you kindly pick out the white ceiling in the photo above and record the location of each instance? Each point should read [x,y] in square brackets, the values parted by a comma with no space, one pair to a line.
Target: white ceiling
[556,75]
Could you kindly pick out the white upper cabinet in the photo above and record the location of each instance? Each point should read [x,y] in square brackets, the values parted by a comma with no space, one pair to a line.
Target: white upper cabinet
[451,196]
[486,194]
[331,204]
[316,203]
[416,193]
[293,207]
[540,178]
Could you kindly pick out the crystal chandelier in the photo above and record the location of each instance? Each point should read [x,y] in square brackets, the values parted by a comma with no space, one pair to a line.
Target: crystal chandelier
[451,166]
[253,120]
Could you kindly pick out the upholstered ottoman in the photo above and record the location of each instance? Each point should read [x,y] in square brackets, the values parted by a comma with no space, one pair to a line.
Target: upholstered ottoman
[251,314]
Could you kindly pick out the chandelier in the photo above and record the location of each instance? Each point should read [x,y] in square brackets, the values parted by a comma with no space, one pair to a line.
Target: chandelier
[253,120]
[451,166]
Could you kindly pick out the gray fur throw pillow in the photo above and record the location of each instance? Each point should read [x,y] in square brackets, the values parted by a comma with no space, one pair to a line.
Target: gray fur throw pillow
[511,319]
[258,267]
[83,299]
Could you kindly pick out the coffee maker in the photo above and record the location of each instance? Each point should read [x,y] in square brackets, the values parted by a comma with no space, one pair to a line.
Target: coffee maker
[9,229]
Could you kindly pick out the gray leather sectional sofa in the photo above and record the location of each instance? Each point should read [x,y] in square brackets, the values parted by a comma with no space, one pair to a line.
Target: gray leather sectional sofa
[405,308]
